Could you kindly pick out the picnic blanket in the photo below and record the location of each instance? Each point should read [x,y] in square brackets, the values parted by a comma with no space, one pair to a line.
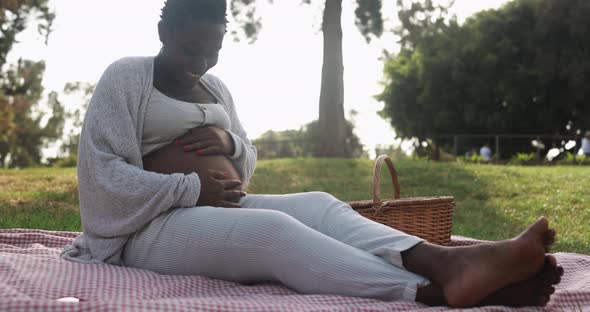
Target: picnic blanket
[32,276]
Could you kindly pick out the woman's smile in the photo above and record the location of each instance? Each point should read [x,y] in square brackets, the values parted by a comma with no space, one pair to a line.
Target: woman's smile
[192,77]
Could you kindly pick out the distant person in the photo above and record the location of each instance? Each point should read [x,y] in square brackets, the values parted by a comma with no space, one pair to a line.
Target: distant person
[586,144]
[486,152]
[473,152]
[162,164]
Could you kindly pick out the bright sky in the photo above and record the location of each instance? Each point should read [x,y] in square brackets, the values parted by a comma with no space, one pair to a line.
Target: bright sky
[275,82]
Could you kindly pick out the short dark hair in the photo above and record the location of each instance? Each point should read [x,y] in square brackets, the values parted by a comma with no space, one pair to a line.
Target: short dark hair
[178,12]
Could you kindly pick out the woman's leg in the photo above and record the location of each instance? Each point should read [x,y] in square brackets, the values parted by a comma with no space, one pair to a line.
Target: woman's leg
[251,245]
[465,276]
[326,214]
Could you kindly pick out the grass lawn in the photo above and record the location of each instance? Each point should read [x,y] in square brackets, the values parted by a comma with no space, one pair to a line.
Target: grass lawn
[493,202]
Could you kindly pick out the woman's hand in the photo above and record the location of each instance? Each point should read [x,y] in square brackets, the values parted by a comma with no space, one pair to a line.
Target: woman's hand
[219,191]
[207,141]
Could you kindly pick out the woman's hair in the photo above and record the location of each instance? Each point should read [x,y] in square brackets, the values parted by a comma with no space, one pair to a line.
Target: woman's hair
[178,12]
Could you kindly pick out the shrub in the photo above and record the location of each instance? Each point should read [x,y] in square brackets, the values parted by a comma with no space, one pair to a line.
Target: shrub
[571,159]
[66,162]
[473,159]
[524,159]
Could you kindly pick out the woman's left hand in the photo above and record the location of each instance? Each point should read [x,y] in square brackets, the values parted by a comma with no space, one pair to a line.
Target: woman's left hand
[207,141]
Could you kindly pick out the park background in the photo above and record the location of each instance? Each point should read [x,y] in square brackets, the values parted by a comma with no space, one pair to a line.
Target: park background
[426,82]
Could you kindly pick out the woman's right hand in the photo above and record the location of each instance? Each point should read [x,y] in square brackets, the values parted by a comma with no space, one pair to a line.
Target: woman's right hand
[219,191]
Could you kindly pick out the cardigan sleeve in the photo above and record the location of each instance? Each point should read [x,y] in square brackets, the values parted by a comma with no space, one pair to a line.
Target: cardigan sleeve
[118,197]
[244,157]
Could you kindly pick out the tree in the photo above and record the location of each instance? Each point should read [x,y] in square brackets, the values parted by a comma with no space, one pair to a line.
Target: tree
[22,134]
[520,69]
[332,124]
[302,142]
[14,15]
[72,141]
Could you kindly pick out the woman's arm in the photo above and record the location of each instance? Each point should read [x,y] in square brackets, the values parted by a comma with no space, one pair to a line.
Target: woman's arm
[118,197]
[244,157]
[213,170]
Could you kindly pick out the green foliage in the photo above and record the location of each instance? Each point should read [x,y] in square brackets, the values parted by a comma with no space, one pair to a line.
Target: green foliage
[244,13]
[524,159]
[420,21]
[472,159]
[70,145]
[493,202]
[368,17]
[14,16]
[301,143]
[282,144]
[24,130]
[572,159]
[417,157]
[63,162]
[521,69]
[394,152]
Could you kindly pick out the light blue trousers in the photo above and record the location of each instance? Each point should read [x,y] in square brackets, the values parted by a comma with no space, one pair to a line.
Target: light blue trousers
[310,242]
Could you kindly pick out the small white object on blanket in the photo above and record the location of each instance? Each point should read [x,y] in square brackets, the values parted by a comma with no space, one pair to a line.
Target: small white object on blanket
[67,299]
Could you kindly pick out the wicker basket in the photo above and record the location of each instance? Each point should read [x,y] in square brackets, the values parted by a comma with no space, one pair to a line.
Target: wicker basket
[430,218]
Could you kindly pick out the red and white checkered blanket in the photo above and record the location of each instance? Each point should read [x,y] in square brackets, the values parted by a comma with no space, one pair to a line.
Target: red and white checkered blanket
[32,275]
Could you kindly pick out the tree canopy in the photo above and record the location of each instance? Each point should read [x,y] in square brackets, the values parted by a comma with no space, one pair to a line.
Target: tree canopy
[24,130]
[521,69]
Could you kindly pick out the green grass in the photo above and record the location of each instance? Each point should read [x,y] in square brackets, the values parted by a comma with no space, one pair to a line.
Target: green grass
[493,202]
[39,199]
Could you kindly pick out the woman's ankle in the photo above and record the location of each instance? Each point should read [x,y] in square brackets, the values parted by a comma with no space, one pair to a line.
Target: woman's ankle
[428,260]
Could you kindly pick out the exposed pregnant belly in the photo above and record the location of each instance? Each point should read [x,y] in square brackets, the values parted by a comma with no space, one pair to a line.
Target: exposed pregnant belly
[173,159]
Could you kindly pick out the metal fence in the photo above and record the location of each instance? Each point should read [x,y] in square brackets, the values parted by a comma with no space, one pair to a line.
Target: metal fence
[504,146]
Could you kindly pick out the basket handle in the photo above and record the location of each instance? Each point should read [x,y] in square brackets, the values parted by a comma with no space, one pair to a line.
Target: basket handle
[376,178]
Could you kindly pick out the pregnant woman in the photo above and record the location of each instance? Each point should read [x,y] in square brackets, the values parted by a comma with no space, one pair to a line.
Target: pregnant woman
[162,167]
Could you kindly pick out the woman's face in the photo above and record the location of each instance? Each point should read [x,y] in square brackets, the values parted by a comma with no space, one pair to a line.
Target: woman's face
[191,50]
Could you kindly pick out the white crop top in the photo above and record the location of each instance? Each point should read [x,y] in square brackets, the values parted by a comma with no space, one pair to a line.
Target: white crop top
[167,119]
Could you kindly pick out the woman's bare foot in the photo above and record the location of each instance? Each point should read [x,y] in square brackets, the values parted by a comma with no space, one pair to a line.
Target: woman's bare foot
[535,291]
[469,274]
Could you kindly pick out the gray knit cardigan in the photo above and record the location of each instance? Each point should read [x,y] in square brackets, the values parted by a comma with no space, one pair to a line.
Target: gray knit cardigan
[118,197]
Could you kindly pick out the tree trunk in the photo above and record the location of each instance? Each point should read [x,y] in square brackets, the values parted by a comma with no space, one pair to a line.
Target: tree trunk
[332,125]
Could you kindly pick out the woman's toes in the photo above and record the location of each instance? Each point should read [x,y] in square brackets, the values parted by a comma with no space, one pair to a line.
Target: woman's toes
[543,300]
[544,295]
[560,270]
[547,292]
[549,237]
[540,227]
[555,278]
